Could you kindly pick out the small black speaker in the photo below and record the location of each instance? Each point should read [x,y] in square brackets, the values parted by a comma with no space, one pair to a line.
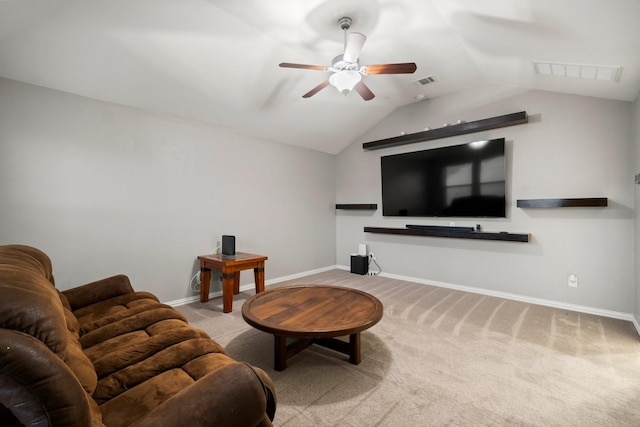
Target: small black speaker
[228,245]
[359,264]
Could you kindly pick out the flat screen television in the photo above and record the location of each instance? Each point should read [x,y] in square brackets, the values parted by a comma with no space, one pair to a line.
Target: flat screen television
[467,180]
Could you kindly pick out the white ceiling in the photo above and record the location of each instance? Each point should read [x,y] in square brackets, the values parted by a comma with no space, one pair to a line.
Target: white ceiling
[216,61]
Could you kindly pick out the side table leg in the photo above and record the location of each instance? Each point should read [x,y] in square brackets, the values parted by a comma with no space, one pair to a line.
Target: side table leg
[227,292]
[258,275]
[205,283]
[354,348]
[280,352]
[236,283]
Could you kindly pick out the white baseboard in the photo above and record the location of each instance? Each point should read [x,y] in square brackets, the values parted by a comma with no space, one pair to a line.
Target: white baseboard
[539,301]
[298,275]
[515,297]
[251,286]
[637,326]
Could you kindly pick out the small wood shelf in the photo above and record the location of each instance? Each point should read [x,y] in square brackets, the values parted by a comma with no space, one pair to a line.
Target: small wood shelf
[456,234]
[599,202]
[358,206]
[453,130]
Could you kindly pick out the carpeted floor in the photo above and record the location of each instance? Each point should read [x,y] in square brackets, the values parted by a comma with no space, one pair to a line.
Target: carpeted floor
[441,357]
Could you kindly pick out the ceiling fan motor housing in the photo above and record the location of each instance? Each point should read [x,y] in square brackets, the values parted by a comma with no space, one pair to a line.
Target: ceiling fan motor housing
[339,64]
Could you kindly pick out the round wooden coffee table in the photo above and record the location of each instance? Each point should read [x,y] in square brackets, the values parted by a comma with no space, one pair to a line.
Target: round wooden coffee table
[315,314]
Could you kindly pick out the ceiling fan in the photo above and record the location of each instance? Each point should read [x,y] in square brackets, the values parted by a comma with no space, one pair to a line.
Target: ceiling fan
[347,72]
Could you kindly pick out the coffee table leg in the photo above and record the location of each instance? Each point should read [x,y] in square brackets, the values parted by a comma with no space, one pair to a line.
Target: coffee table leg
[354,348]
[280,353]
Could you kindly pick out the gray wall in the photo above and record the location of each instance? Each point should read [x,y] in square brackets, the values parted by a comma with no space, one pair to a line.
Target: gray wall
[572,147]
[105,189]
[636,139]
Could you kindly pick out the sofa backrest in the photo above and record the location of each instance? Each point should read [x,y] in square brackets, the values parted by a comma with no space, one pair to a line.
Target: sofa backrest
[27,257]
[39,342]
[29,303]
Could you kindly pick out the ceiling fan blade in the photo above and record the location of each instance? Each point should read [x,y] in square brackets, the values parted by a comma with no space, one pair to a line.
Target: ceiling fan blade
[303,66]
[316,89]
[364,91]
[355,41]
[404,68]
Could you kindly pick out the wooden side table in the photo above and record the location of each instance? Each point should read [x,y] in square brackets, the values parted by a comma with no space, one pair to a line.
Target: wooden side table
[229,267]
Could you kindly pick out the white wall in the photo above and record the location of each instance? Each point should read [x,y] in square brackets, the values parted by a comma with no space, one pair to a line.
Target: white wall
[572,147]
[105,189]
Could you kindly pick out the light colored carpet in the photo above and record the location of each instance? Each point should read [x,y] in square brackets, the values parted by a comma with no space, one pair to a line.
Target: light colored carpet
[441,357]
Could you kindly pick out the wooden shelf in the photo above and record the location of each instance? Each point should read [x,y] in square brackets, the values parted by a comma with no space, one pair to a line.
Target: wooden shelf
[453,130]
[563,203]
[358,206]
[456,234]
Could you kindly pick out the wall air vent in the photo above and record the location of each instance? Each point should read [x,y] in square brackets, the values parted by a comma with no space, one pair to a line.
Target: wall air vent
[581,71]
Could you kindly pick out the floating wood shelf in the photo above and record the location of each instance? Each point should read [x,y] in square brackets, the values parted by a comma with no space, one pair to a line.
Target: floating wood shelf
[563,203]
[358,206]
[453,130]
[456,234]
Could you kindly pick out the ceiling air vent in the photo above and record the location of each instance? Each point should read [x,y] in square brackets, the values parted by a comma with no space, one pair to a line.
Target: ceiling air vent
[582,71]
[425,80]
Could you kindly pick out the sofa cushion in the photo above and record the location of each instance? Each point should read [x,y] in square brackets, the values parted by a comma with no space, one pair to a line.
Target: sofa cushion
[80,364]
[112,309]
[114,313]
[148,395]
[128,324]
[233,404]
[167,359]
[72,323]
[119,352]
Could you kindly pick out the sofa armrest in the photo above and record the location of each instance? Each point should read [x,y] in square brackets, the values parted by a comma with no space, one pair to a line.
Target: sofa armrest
[36,386]
[100,290]
[234,395]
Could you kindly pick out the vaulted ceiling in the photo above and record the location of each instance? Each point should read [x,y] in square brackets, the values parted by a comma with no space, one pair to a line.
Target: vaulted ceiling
[216,61]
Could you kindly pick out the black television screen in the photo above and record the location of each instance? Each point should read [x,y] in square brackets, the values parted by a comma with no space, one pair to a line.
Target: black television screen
[467,180]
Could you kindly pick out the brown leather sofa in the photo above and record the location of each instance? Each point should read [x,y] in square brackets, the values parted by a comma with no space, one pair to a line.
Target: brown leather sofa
[103,354]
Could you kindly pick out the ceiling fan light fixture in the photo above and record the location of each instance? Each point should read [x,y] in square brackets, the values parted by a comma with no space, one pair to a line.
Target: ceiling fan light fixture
[345,80]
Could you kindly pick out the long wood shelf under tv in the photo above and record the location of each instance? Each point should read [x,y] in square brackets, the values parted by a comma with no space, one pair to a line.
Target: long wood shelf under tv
[453,233]
[358,206]
[448,131]
[584,202]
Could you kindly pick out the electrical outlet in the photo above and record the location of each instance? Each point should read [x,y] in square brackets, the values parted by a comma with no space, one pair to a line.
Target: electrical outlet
[372,255]
[572,281]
